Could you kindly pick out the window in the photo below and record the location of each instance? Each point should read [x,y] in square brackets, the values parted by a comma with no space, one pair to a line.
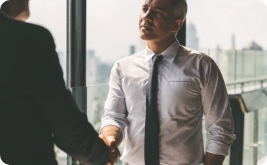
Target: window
[218,28]
[112,33]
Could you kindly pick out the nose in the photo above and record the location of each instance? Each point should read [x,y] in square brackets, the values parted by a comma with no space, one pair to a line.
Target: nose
[146,15]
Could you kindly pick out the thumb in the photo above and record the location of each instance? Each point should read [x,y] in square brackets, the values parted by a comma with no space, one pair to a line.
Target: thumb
[112,143]
[104,139]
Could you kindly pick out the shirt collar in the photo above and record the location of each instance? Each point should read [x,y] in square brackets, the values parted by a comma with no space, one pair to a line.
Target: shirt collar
[169,53]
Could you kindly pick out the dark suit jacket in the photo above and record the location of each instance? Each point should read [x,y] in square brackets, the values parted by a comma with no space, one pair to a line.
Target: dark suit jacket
[36,109]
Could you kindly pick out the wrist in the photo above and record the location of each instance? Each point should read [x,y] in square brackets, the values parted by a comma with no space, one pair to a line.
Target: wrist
[112,133]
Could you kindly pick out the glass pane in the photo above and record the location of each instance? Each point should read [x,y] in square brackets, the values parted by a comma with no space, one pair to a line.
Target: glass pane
[262,134]
[212,29]
[112,33]
[261,61]
[248,139]
[216,24]
[225,61]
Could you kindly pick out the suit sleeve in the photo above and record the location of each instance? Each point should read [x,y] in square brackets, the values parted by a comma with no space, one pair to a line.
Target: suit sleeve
[219,120]
[71,130]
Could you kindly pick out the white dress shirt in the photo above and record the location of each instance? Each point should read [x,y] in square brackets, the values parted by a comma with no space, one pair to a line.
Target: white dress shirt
[189,85]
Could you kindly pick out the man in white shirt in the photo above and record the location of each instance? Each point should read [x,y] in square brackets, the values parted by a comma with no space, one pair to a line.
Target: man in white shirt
[189,85]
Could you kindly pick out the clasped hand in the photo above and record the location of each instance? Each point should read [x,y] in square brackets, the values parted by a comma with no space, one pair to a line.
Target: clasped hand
[114,152]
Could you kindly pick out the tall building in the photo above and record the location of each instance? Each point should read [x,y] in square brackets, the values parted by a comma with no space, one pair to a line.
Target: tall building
[191,36]
[132,49]
[90,67]
[252,61]
[253,46]
[233,42]
[97,76]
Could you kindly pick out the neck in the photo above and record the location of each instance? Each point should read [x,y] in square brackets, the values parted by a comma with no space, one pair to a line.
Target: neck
[159,46]
[22,16]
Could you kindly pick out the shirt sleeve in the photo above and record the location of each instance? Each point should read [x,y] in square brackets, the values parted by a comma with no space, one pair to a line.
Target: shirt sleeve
[115,108]
[219,120]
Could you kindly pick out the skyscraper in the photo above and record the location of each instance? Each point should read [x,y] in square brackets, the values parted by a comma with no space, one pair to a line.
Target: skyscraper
[90,67]
[233,42]
[191,36]
[132,49]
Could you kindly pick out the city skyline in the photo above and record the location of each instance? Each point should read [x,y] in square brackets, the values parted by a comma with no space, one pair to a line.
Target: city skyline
[112,26]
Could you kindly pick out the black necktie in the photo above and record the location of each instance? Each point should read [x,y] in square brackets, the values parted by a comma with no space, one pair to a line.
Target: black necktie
[152,128]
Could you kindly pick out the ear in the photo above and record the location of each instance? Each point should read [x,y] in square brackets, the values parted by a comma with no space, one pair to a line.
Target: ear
[177,25]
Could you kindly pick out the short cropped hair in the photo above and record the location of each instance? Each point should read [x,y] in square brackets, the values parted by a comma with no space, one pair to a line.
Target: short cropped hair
[14,7]
[179,9]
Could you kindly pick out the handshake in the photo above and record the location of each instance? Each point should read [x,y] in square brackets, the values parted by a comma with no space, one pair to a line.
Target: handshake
[112,136]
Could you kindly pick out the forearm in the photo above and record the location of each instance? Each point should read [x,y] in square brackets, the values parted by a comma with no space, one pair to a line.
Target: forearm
[212,159]
[113,131]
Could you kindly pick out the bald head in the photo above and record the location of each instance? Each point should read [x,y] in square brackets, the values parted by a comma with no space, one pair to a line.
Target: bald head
[179,9]
[16,9]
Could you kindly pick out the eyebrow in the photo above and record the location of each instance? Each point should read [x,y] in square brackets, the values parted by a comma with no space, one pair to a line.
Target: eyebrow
[156,7]
[145,5]
[160,8]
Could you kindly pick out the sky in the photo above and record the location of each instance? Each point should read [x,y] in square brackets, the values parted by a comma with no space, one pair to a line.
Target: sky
[112,26]
[216,21]
[265,2]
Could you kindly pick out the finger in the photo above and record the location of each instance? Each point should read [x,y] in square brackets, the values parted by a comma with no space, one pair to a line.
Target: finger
[113,147]
[114,156]
[104,139]
[110,163]
[111,139]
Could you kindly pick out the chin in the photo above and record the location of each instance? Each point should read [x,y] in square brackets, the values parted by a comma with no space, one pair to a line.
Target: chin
[144,37]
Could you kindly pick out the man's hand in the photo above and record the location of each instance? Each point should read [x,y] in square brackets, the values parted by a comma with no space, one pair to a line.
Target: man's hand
[114,152]
[212,159]
[112,136]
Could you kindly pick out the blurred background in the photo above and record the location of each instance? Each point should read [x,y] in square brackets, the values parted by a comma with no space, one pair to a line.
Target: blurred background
[232,32]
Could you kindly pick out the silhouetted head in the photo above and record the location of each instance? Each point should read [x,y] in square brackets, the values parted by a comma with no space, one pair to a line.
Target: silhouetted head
[16,9]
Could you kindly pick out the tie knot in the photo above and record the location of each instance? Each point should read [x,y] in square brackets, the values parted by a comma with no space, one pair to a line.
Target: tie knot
[157,58]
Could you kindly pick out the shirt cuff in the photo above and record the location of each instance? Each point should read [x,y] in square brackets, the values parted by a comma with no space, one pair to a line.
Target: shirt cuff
[112,123]
[218,147]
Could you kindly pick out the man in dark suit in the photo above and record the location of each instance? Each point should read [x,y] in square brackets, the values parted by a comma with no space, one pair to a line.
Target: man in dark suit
[36,109]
